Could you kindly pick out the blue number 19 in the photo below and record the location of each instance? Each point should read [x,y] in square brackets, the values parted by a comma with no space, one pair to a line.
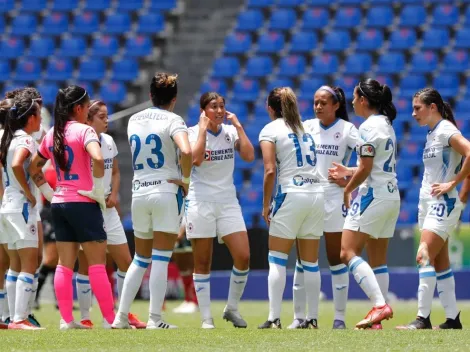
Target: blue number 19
[306,138]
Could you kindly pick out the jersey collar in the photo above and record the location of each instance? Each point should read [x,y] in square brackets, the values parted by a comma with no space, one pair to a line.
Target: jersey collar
[328,127]
[437,124]
[19,132]
[215,134]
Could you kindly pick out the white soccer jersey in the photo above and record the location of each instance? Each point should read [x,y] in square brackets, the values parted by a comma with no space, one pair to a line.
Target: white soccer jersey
[14,199]
[377,139]
[441,162]
[154,153]
[212,181]
[295,156]
[109,151]
[333,143]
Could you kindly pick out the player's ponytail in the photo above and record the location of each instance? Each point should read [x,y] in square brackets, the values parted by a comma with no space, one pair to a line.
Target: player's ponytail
[163,89]
[284,104]
[378,96]
[431,96]
[342,112]
[5,106]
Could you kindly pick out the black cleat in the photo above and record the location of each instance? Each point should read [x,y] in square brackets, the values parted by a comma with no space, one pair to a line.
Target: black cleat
[309,324]
[450,324]
[268,324]
[419,324]
[32,319]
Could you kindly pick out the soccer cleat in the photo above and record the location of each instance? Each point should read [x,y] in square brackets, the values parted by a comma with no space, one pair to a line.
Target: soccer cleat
[373,327]
[208,324]
[3,325]
[186,308]
[235,318]
[32,319]
[7,320]
[153,325]
[268,324]
[450,324]
[309,324]
[419,324]
[72,325]
[121,321]
[135,322]
[296,324]
[339,324]
[107,325]
[23,325]
[375,316]
[87,322]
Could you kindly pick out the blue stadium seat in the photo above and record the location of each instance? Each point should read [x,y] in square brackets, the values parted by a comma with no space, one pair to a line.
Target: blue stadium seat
[318,2]
[125,70]
[379,16]
[347,83]
[126,5]
[385,79]
[104,46]
[246,90]
[260,3]
[403,39]
[391,63]
[249,20]
[113,92]
[403,173]
[238,108]
[91,69]
[411,83]
[97,5]
[315,18]
[270,42]
[28,70]
[290,3]
[41,47]
[72,47]
[86,23]
[462,38]
[462,125]
[445,15]
[282,19]
[151,23]
[411,150]
[462,108]
[370,39]
[412,193]
[306,108]
[403,105]
[303,42]
[58,69]
[225,67]
[253,197]
[358,63]
[278,82]
[33,5]
[2,24]
[162,5]
[408,215]
[259,66]
[325,64]
[308,87]
[435,38]
[48,92]
[348,17]
[447,85]
[214,85]
[456,61]
[260,113]
[412,16]
[193,114]
[426,61]
[237,43]
[117,23]
[88,86]
[292,65]
[64,5]
[467,16]
[24,24]
[138,46]
[7,5]
[11,48]
[5,70]
[336,40]
[56,23]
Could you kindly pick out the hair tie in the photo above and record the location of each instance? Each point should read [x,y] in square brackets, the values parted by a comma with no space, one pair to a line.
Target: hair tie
[13,108]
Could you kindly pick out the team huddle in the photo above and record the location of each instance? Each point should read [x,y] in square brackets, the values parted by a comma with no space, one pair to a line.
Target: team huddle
[183,178]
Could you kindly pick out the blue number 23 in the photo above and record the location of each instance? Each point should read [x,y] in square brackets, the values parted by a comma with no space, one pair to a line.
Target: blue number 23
[151,138]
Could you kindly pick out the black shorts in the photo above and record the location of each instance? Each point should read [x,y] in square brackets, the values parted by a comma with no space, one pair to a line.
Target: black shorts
[47,226]
[78,222]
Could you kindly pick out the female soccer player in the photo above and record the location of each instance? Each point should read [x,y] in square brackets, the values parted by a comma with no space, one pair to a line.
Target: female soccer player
[212,208]
[439,206]
[297,211]
[335,138]
[117,240]
[73,146]
[18,213]
[374,212]
[157,195]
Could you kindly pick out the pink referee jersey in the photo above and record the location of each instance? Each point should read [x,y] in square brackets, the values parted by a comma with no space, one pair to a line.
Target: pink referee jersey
[79,176]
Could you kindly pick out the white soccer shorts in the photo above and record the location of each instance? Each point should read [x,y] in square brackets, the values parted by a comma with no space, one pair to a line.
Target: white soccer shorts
[114,229]
[439,215]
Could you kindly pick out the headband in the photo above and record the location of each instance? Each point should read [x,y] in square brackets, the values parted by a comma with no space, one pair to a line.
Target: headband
[30,107]
[96,102]
[331,91]
[76,101]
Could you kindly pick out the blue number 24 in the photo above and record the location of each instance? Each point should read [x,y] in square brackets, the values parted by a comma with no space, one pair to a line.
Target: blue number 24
[67,175]
[151,138]
[311,159]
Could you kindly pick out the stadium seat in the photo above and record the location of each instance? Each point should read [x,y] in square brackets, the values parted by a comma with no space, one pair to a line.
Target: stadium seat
[162,5]
[237,43]
[358,63]
[325,64]
[260,3]
[259,66]
[246,90]
[24,24]
[292,66]
[315,18]
[306,108]
[303,42]
[28,70]
[85,23]
[125,70]
[64,5]
[308,87]
[391,63]
[253,197]
[462,108]
[214,85]
[456,61]
[318,2]
[117,23]
[423,62]
[72,47]
[151,23]
[347,17]
[403,39]
[467,16]
[225,67]
[336,40]
[5,70]
[385,79]
[97,5]
[403,173]
[412,16]
[11,48]
[7,5]
[126,5]
[270,42]
[435,38]
[462,38]
[278,82]
[48,92]
[347,83]
[104,46]
[33,5]
[282,19]
[91,69]
[249,20]
[138,46]
[350,2]
[290,3]
[239,108]
[411,83]
[260,113]
[58,69]
[370,39]
[445,15]
[411,150]
[379,16]
[57,23]
[408,215]
[41,47]
[2,24]
[113,92]
[447,85]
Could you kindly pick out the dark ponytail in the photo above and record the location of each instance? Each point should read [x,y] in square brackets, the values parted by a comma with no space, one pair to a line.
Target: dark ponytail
[379,97]
[342,112]
[431,96]
[65,102]
[5,106]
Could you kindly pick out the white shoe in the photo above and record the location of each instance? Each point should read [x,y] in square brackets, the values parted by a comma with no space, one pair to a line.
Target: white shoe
[72,325]
[186,308]
[208,324]
[121,322]
[106,325]
[160,324]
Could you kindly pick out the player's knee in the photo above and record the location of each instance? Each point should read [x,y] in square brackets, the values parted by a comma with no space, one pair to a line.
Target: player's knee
[242,261]
[345,256]
[202,265]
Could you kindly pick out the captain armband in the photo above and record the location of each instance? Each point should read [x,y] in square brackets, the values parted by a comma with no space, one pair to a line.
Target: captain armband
[367,150]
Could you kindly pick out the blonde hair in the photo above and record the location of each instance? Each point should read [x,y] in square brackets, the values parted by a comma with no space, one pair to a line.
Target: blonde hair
[284,103]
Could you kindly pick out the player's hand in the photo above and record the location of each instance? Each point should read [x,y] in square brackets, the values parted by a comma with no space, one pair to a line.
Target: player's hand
[266,215]
[338,171]
[96,193]
[438,189]
[111,201]
[347,199]
[184,186]
[31,198]
[203,121]
[233,119]
[342,182]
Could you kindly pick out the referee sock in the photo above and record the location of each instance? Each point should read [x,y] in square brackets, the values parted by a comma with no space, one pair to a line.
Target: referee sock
[446,291]
[298,292]
[11,280]
[381,274]
[276,282]
[238,280]
[340,288]
[158,280]
[427,285]
[312,282]
[366,279]
[202,284]
[84,295]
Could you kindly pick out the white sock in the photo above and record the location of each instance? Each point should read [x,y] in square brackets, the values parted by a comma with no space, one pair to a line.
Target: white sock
[312,282]
[11,280]
[427,285]
[158,281]
[33,292]
[2,303]
[446,291]
[132,282]
[24,288]
[298,292]
[6,309]
[366,279]
[121,275]
[340,288]
[381,274]
[276,282]
[238,280]
[202,285]
[84,295]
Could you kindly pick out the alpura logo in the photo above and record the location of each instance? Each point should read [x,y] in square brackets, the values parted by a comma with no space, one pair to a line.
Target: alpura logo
[299,180]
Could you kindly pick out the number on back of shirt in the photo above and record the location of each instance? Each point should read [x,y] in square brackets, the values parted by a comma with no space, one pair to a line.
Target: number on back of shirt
[311,158]
[69,157]
[136,146]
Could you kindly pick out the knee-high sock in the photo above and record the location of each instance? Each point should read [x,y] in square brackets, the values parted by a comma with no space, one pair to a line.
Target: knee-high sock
[64,292]
[276,282]
[84,295]
[102,289]
[238,280]
[298,292]
[340,288]
[427,285]
[446,291]
[24,290]
[366,279]
[158,282]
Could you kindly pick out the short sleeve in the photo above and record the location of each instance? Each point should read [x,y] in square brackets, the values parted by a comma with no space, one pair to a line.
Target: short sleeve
[177,125]
[193,133]
[43,148]
[352,137]
[27,142]
[89,135]
[367,141]
[447,131]
[268,133]
[233,133]
[115,150]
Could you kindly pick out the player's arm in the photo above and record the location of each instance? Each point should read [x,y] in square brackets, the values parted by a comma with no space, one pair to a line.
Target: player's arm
[463,195]
[93,148]
[199,147]
[17,166]
[243,145]
[186,159]
[112,199]
[35,170]
[268,149]
[362,172]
